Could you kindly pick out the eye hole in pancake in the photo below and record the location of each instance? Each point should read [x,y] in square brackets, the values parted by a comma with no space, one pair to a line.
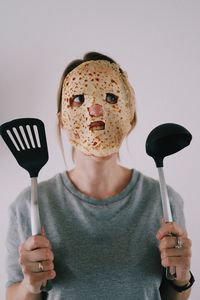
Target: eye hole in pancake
[111,98]
[77,100]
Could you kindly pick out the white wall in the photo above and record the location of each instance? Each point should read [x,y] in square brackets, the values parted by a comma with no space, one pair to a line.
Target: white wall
[156,42]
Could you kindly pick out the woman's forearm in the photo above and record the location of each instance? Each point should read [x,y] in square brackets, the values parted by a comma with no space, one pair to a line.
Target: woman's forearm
[169,293]
[173,295]
[18,291]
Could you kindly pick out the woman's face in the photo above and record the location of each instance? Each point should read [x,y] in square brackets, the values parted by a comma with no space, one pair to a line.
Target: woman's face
[96,110]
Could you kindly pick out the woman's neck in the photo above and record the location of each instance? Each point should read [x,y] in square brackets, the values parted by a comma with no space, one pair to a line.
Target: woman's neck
[99,177]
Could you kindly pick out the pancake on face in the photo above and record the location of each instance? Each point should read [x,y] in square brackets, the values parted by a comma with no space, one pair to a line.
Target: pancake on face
[98,107]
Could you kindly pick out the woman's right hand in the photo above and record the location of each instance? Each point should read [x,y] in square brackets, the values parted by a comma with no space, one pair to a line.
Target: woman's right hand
[36,253]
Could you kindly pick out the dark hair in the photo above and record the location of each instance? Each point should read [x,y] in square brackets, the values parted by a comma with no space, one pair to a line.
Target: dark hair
[75,63]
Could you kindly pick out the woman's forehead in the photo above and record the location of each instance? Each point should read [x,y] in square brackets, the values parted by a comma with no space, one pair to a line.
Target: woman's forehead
[93,67]
[93,74]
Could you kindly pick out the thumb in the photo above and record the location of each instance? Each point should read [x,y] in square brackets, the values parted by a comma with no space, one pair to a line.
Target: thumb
[163,221]
[43,231]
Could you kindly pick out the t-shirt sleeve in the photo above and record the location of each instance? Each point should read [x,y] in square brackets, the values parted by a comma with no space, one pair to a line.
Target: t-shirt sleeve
[14,273]
[18,231]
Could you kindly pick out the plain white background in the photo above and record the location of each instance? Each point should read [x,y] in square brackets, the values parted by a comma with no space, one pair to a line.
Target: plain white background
[156,42]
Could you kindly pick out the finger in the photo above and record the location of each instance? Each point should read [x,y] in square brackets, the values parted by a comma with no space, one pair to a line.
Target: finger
[34,281]
[173,252]
[41,254]
[168,242]
[39,278]
[184,263]
[34,266]
[34,242]
[170,228]
[171,242]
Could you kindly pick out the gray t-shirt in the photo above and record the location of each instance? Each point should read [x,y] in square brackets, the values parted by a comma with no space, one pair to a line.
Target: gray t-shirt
[104,249]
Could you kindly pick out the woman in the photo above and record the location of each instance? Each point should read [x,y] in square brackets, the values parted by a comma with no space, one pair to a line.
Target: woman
[102,236]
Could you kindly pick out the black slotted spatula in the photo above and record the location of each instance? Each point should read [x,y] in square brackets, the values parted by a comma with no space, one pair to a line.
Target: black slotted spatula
[26,139]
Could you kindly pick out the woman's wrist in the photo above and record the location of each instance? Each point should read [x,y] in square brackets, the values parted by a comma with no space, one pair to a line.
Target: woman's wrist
[19,291]
[181,286]
[27,293]
[184,281]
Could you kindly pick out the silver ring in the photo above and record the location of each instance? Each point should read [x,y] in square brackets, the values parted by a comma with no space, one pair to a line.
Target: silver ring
[40,267]
[179,243]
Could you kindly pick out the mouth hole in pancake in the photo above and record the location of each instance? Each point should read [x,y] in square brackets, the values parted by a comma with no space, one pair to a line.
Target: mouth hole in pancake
[97,125]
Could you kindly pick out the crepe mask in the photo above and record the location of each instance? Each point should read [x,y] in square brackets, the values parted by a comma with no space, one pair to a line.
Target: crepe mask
[98,107]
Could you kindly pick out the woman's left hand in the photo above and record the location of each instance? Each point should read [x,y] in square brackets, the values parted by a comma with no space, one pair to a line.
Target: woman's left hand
[175,250]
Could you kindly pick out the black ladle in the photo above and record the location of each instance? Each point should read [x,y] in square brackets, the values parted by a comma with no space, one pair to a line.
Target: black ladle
[162,141]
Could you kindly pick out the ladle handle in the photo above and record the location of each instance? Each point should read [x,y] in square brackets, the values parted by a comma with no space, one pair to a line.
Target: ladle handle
[164,196]
[170,271]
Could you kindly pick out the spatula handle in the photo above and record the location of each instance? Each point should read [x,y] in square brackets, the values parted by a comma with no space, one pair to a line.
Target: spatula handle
[35,217]
[170,271]
[35,221]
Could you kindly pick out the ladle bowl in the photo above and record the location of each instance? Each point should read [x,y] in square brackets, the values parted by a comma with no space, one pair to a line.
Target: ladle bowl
[166,139]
